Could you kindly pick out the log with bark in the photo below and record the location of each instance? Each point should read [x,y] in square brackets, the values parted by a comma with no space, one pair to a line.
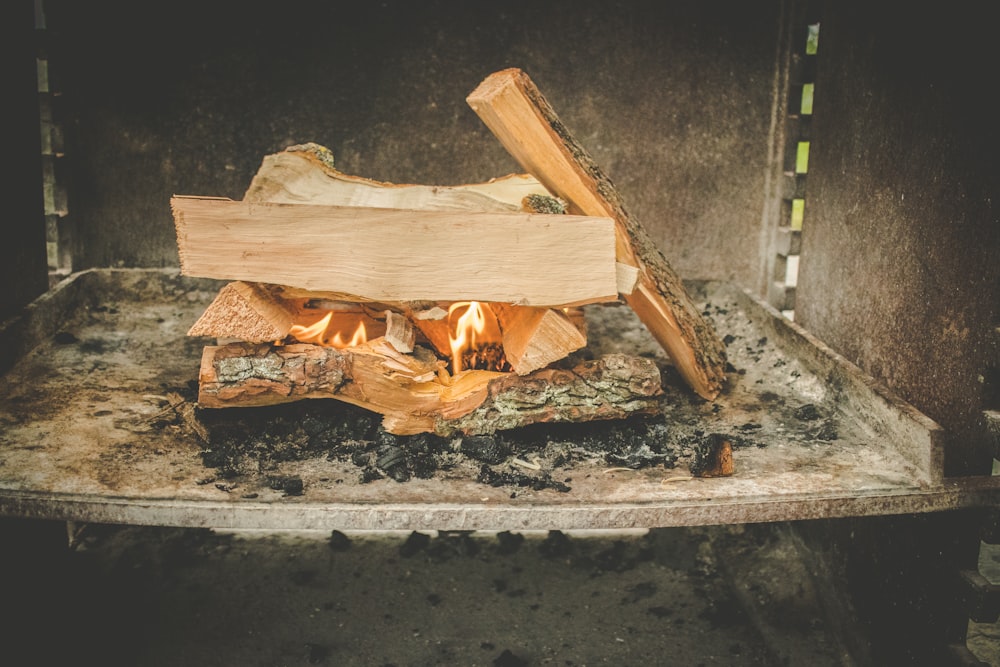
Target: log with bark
[415,394]
[513,108]
[305,174]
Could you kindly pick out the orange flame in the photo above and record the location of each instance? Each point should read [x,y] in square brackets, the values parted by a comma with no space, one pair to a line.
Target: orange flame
[360,337]
[312,333]
[318,333]
[475,329]
[468,325]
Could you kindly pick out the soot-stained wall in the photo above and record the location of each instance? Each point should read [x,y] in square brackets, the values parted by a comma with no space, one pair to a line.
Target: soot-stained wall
[675,101]
[900,264]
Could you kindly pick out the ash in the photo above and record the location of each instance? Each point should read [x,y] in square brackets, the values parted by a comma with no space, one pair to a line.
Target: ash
[253,443]
[684,435]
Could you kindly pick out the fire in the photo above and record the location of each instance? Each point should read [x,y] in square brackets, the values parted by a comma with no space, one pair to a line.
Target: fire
[474,337]
[467,328]
[319,333]
[360,337]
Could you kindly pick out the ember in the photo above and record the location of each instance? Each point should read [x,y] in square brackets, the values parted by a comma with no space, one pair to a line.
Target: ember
[475,339]
[486,357]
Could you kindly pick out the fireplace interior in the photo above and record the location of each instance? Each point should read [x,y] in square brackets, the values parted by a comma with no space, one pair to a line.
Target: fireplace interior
[827,203]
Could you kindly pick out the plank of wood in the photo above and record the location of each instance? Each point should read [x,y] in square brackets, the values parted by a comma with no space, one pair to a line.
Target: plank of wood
[536,337]
[513,108]
[305,174]
[414,396]
[248,312]
[399,254]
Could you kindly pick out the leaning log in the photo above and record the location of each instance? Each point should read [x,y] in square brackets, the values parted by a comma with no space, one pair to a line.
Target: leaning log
[513,108]
[414,393]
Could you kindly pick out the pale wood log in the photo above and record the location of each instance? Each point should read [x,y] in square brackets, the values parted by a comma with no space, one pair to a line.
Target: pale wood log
[305,174]
[536,337]
[519,116]
[248,312]
[337,300]
[400,255]
[413,393]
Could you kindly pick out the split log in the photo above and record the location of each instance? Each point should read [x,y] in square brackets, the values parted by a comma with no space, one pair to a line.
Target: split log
[248,312]
[536,337]
[413,393]
[400,255]
[515,111]
[305,174]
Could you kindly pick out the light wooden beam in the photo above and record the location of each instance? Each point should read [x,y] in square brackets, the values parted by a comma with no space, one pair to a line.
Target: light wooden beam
[398,254]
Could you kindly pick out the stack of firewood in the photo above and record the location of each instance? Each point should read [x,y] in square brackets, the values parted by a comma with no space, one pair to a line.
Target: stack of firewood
[444,309]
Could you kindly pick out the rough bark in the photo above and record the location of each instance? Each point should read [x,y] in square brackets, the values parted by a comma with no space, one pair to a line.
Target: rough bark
[415,395]
[519,116]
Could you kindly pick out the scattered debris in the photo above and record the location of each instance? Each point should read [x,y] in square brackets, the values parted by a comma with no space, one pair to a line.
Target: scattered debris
[339,541]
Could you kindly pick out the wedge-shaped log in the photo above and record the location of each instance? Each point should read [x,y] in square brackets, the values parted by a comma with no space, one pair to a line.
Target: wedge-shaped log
[414,395]
[535,337]
[399,254]
[513,108]
[248,312]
